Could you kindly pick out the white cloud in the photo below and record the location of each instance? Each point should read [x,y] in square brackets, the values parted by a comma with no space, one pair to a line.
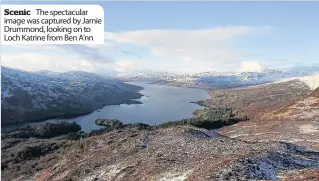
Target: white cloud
[171,50]
[251,66]
[178,37]
[122,66]
[59,58]
[189,45]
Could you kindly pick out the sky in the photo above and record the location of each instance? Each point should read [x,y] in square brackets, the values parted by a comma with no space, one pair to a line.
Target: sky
[184,37]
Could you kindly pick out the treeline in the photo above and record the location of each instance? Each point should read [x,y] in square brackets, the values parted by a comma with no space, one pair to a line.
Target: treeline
[212,118]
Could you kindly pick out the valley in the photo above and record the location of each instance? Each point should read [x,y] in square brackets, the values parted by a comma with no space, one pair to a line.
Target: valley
[171,91]
[258,132]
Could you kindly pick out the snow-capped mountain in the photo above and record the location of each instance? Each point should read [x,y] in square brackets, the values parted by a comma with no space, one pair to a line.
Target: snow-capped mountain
[146,76]
[30,96]
[215,79]
[304,70]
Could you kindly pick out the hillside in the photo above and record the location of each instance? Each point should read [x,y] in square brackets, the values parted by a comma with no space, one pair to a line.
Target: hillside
[31,96]
[284,111]
[304,108]
[312,81]
[314,93]
[290,120]
[145,153]
[255,100]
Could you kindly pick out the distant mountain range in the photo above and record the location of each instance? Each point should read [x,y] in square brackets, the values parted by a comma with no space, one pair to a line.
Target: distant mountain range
[31,96]
[218,79]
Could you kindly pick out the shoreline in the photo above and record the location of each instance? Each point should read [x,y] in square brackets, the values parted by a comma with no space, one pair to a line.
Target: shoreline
[200,103]
[68,116]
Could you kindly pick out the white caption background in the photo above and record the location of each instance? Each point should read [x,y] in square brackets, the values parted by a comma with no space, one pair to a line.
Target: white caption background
[88,28]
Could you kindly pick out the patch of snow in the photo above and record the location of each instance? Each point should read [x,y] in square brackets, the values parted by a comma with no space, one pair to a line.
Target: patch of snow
[6,93]
[177,176]
[106,173]
[312,81]
[308,129]
[238,135]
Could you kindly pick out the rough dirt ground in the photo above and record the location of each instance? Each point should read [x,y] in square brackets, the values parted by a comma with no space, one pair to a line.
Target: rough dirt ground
[179,153]
[296,123]
[302,109]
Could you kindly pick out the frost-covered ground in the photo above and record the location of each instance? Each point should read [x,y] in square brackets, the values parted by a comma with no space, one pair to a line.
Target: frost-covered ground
[173,154]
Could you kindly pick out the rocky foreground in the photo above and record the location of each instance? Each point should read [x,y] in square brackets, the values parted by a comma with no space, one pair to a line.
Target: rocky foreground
[139,153]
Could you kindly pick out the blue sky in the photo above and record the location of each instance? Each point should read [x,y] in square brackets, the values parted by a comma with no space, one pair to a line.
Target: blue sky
[189,37]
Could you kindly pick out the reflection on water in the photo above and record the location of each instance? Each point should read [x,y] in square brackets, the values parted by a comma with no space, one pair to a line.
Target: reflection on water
[160,103]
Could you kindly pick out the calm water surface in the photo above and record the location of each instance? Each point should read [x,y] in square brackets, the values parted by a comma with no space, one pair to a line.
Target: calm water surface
[160,104]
